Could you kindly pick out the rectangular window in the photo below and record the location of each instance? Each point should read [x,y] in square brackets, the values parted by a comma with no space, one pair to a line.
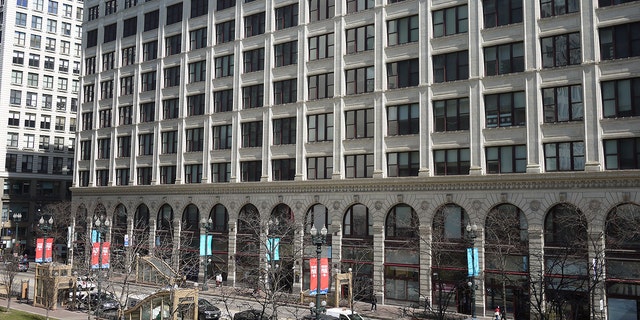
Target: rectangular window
[561,50]
[360,80]
[169,142]
[223,100]
[287,16]
[151,20]
[224,66]
[254,24]
[174,13]
[16,77]
[90,65]
[504,59]
[167,174]
[321,9]
[20,39]
[195,139]
[403,119]
[12,139]
[284,131]
[225,31]
[550,8]
[52,26]
[11,162]
[145,144]
[198,38]
[130,27]
[621,98]
[450,21]
[621,41]
[403,30]
[222,137]
[359,5]
[173,45]
[622,154]
[505,109]
[104,148]
[361,39]
[321,47]
[197,71]
[320,127]
[21,19]
[18,57]
[252,134]
[451,115]
[125,115]
[452,162]
[148,81]
[27,163]
[110,33]
[359,166]
[319,168]
[286,53]
[403,164]
[199,8]
[126,85]
[30,120]
[253,60]
[251,170]
[150,50]
[225,4]
[221,172]
[451,66]
[128,56]
[106,89]
[359,123]
[320,86]
[44,164]
[562,104]
[403,74]
[501,12]
[283,169]
[195,104]
[122,175]
[170,108]
[104,119]
[285,91]
[89,91]
[87,121]
[147,112]
[85,150]
[14,118]
[34,60]
[253,96]
[124,147]
[145,174]
[110,7]
[607,3]
[506,159]
[192,173]
[564,156]
[44,142]
[172,76]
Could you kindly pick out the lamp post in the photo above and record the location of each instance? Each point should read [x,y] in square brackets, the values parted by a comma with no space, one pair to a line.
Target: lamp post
[17,216]
[207,225]
[318,239]
[45,225]
[101,226]
[471,233]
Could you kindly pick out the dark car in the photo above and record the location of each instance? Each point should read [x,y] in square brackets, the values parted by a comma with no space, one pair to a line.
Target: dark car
[105,301]
[321,317]
[251,314]
[23,266]
[207,311]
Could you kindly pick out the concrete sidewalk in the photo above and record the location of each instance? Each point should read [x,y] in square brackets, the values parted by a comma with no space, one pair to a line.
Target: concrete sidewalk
[60,313]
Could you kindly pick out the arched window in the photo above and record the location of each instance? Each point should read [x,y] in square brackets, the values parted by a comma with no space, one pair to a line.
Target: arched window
[402,254]
[220,218]
[190,219]
[318,216]
[402,222]
[565,226]
[248,247]
[357,222]
[141,218]
[165,217]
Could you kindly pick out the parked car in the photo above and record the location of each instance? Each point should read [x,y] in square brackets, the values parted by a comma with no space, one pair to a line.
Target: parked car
[86,283]
[207,311]
[321,317]
[23,266]
[344,313]
[102,302]
[251,314]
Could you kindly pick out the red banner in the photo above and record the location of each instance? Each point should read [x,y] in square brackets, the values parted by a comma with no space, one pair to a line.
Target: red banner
[313,276]
[105,255]
[324,275]
[39,249]
[48,250]
[95,254]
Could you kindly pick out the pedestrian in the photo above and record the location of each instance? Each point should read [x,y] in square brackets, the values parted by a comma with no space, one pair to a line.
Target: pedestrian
[497,313]
[219,280]
[374,303]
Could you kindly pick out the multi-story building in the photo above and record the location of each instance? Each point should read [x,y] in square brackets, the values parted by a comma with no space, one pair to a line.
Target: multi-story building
[41,44]
[395,124]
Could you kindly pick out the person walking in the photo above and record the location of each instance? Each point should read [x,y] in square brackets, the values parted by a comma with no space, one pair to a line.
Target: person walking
[374,302]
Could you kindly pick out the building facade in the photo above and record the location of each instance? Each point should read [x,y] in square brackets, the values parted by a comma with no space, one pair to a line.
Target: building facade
[41,66]
[412,130]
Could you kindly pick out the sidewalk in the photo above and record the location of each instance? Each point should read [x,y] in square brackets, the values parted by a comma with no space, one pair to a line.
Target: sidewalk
[60,313]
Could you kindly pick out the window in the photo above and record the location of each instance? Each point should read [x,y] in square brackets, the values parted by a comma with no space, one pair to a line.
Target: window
[169,142]
[503,59]
[195,139]
[254,24]
[254,60]
[150,50]
[451,162]
[450,21]
[18,57]
[564,156]
[550,8]
[29,141]
[58,144]
[44,164]
[145,144]
[359,123]
[148,81]
[198,38]
[65,47]
[145,174]
[151,20]
[11,162]
[90,65]
[36,22]
[125,115]
[167,174]
[195,104]
[47,82]
[403,164]
[622,154]
[286,53]
[14,118]
[34,60]
[52,26]
[562,104]
[61,103]
[283,169]
[250,170]
[130,27]
[32,79]
[94,13]
[285,91]
[252,134]
[62,84]
[44,142]
[402,74]
[225,31]
[321,9]
[122,175]
[124,147]
[174,13]
[66,29]
[12,139]
[403,119]
[319,168]
[221,172]
[621,98]
[126,85]
[106,89]
[225,4]
[287,16]
[36,41]
[505,109]
[451,115]
[224,66]
[128,56]
[361,39]
[110,7]
[193,173]
[21,19]
[27,163]
[199,8]
[104,118]
[403,30]
[360,80]
[170,108]
[52,7]
[22,3]
[103,148]
[72,125]
[501,12]
[147,111]
[359,166]
[109,32]
[359,5]
[60,123]
[222,137]
[451,66]
[621,41]
[76,68]
[47,101]
[606,3]
[284,131]
[197,71]
[506,159]
[16,77]
[172,76]
[321,46]
[561,50]
[87,121]
[253,96]
[223,100]
[320,86]
[320,127]
[16,97]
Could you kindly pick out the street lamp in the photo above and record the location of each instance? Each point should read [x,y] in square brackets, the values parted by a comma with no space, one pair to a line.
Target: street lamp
[101,226]
[16,218]
[45,226]
[208,226]
[471,233]
[318,240]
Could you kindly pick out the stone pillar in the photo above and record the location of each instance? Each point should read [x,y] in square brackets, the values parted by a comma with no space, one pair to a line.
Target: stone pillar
[425,265]
[175,249]
[152,236]
[231,263]
[536,270]
[597,296]
[378,261]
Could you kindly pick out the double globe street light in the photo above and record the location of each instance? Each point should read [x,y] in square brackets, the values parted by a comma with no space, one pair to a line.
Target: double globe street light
[318,239]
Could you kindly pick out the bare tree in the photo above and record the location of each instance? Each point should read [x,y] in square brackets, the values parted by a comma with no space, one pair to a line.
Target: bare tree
[8,275]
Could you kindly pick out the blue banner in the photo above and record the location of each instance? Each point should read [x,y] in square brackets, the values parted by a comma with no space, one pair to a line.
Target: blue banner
[473,266]
[205,244]
[209,242]
[273,249]
[94,236]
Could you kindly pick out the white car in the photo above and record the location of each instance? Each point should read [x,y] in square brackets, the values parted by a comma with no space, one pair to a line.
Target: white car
[86,283]
[344,314]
